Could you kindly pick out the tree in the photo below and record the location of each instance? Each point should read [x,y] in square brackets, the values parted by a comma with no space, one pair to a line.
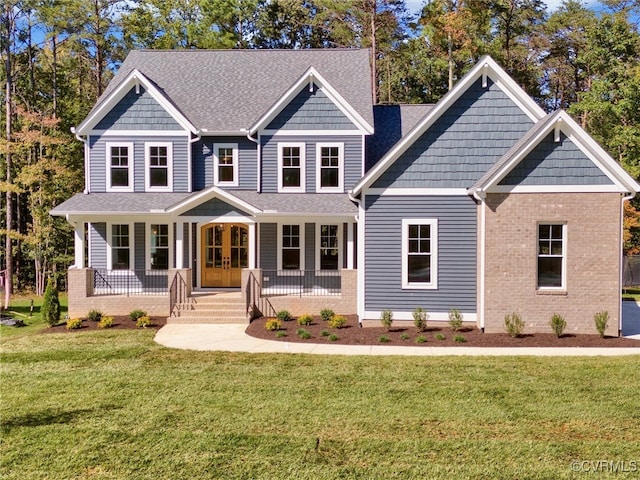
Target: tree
[50,309]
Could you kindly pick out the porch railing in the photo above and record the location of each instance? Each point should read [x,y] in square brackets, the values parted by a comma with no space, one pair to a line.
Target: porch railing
[301,283]
[178,293]
[130,282]
[256,304]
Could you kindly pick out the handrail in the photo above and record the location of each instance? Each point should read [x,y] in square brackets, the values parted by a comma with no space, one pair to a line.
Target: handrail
[177,293]
[256,305]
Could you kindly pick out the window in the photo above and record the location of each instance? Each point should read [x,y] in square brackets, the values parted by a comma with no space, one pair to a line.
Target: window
[419,253]
[225,159]
[158,160]
[120,247]
[291,248]
[329,160]
[159,236]
[551,255]
[119,167]
[291,169]
[329,247]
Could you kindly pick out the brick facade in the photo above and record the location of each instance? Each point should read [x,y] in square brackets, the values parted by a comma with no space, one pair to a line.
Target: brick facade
[592,263]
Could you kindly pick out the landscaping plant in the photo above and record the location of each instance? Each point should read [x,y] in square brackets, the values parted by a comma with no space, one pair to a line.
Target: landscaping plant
[273,324]
[94,315]
[386,318]
[459,339]
[601,319]
[143,322]
[439,336]
[326,314]
[137,314]
[337,321]
[74,323]
[455,319]
[51,304]
[333,337]
[513,324]
[283,315]
[304,334]
[558,324]
[420,319]
[384,339]
[105,322]
[305,320]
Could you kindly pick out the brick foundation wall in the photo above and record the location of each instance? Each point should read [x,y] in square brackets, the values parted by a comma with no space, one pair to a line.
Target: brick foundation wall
[593,260]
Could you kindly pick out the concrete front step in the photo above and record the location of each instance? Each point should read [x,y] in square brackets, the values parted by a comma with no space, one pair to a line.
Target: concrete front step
[211,309]
[207,320]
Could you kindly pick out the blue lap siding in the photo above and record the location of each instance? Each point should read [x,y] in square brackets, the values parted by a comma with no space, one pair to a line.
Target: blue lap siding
[203,162]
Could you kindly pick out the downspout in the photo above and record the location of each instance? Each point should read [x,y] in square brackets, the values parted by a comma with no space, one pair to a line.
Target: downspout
[198,137]
[624,199]
[481,196]
[86,159]
[259,160]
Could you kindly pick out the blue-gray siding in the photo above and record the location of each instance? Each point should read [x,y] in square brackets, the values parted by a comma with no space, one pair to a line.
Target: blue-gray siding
[185,243]
[462,144]
[139,246]
[138,112]
[311,111]
[98,160]
[268,246]
[203,162]
[98,245]
[556,163]
[309,246]
[352,159]
[456,253]
[213,208]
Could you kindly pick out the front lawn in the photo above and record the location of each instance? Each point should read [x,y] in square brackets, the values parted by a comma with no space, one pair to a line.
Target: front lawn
[115,405]
[20,309]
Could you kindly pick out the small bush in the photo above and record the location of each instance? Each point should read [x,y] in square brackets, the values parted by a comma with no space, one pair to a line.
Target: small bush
[404,336]
[105,322]
[273,324]
[284,315]
[455,319]
[421,339]
[326,314]
[439,336]
[325,333]
[143,322]
[601,319]
[74,323]
[459,339]
[513,324]
[50,309]
[558,324]
[281,334]
[384,339]
[337,321]
[304,334]
[305,319]
[386,318]
[420,319]
[94,315]
[135,315]
[333,337]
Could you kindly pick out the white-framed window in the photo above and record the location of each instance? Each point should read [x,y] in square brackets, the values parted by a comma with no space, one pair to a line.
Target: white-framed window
[291,247]
[329,251]
[158,159]
[225,164]
[420,253]
[159,242]
[330,167]
[120,251]
[291,167]
[119,157]
[552,256]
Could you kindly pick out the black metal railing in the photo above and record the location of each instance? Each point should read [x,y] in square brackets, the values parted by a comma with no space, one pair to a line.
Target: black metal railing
[178,293]
[256,304]
[301,283]
[130,282]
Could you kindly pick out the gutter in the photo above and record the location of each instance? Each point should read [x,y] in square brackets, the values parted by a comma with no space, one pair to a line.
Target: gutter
[259,162]
[86,159]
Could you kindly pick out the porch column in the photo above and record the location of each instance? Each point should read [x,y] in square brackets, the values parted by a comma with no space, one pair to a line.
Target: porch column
[179,245]
[252,245]
[79,245]
[350,248]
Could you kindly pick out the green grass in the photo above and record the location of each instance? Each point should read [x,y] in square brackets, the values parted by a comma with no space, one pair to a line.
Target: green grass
[20,308]
[115,405]
[632,293]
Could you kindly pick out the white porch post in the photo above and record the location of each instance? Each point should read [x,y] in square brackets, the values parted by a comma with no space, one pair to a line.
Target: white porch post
[252,245]
[350,245]
[79,245]
[179,245]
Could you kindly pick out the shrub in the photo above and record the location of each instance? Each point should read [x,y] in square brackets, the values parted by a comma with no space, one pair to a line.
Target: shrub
[283,315]
[421,339]
[439,336]
[333,337]
[384,339]
[304,334]
[305,319]
[558,324]
[513,324]
[105,322]
[94,315]
[325,333]
[337,321]
[281,334]
[143,322]
[404,336]
[459,339]
[601,319]
[273,324]
[386,318]
[74,323]
[420,319]
[51,304]
[135,315]
[455,319]
[326,314]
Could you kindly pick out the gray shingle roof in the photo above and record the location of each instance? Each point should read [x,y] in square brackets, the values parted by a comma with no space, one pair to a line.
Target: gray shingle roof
[299,203]
[228,90]
[106,203]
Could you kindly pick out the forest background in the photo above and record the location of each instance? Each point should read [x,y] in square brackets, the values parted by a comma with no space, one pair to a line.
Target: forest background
[59,55]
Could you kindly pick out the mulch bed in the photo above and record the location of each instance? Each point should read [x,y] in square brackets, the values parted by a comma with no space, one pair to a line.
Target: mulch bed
[352,334]
[119,323]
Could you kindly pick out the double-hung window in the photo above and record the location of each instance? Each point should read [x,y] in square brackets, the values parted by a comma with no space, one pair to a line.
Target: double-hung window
[120,247]
[551,255]
[159,246]
[225,168]
[291,247]
[419,253]
[158,164]
[119,167]
[329,167]
[329,251]
[291,167]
